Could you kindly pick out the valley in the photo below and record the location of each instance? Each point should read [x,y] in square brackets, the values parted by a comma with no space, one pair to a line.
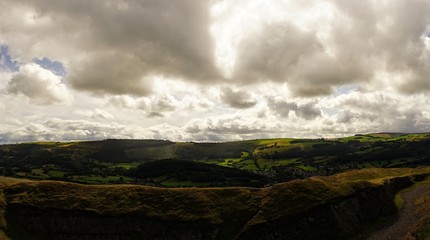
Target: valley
[253,163]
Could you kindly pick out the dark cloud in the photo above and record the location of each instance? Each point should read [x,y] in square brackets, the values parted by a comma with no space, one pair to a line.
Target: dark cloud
[115,46]
[237,98]
[164,104]
[283,108]
[308,111]
[155,115]
[349,117]
[285,53]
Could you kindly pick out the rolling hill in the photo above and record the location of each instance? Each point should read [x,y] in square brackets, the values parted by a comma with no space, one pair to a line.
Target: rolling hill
[342,188]
[274,160]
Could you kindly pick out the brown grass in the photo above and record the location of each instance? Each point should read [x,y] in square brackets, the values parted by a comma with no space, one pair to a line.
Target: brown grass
[215,205]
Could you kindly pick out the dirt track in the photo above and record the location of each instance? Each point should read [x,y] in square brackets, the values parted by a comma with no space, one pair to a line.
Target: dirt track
[406,218]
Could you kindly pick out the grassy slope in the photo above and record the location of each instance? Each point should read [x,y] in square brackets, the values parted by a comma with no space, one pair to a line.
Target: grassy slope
[215,205]
[299,195]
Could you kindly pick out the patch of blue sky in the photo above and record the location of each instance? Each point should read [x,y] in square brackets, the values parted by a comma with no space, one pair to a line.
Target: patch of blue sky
[6,61]
[345,89]
[54,66]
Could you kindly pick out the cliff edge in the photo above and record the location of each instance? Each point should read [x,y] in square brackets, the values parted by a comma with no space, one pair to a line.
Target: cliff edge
[334,207]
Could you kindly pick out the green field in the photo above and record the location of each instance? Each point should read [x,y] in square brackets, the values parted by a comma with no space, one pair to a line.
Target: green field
[283,159]
[268,163]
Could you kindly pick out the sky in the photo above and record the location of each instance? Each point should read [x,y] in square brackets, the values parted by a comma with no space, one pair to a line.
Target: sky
[212,70]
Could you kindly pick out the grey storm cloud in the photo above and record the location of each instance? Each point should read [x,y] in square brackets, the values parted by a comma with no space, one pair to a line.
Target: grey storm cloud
[212,70]
[115,46]
[237,99]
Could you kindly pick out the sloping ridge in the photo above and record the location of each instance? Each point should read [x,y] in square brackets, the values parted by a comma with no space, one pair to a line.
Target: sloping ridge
[332,207]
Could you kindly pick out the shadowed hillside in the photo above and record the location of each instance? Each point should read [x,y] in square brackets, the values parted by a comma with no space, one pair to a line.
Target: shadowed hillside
[332,207]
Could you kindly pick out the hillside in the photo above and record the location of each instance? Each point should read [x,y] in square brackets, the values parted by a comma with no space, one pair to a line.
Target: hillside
[331,207]
[176,173]
[275,160]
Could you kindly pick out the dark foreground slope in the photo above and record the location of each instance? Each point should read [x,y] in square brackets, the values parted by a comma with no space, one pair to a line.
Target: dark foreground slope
[402,225]
[334,207]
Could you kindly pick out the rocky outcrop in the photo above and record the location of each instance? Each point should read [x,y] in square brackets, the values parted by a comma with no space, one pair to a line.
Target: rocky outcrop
[342,218]
[339,219]
[326,211]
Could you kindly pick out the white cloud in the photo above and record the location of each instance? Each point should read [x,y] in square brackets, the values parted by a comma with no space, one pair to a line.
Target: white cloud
[381,111]
[39,85]
[96,114]
[316,46]
[4,79]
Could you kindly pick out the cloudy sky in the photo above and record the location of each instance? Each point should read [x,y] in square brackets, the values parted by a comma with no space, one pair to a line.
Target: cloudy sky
[215,70]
